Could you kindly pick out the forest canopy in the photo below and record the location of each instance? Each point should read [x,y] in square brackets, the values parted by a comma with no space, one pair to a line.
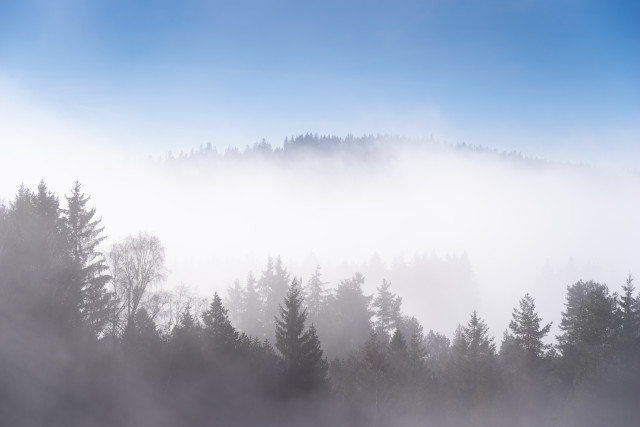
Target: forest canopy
[88,337]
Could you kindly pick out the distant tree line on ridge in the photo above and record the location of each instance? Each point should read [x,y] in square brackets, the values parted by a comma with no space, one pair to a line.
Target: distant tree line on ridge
[362,148]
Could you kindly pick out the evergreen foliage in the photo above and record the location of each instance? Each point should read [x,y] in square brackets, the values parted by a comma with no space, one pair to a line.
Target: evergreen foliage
[528,333]
[273,284]
[201,370]
[589,328]
[387,307]
[251,313]
[218,330]
[315,296]
[85,234]
[352,316]
[303,364]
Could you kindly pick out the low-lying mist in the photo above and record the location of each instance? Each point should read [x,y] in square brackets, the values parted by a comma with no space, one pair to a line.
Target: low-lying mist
[484,226]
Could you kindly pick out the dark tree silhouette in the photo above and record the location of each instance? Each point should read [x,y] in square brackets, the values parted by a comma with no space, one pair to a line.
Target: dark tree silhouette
[589,327]
[526,329]
[220,334]
[303,365]
[85,234]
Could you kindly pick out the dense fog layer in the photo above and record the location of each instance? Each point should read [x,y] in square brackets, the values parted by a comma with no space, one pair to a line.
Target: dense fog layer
[484,227]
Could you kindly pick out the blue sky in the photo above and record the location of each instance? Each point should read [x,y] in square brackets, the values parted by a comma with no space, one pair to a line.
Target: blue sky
[168,74]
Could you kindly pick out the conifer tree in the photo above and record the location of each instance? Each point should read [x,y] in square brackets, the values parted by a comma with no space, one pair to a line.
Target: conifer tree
[273,285]
[219,332]
[526,329]
[250,316]
[474,365]
[387,306]
[398,344]
[352,316]
[629,314]
[303,365]
[589,328]
[314,296]
[85,234]
[233,302]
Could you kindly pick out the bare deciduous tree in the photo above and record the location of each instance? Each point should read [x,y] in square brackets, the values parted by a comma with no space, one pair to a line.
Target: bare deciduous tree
[136,264]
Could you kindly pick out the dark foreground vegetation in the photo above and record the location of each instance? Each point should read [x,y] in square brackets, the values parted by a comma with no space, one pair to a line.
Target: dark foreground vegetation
[87,340]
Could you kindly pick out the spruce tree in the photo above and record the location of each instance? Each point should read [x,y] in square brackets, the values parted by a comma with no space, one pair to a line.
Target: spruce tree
[315,296]
[352,316]
[273,285]
[590,330]
[250,316]
[219,332]
[85,234]
[233,301]
[629,315]
[387,306]
[526,329]
[474,367]
[304,368]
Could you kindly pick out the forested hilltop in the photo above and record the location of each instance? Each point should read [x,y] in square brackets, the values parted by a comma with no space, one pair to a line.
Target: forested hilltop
[89,338]
[361,148]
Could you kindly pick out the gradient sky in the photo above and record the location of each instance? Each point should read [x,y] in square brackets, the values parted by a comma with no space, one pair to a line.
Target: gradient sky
[166,74]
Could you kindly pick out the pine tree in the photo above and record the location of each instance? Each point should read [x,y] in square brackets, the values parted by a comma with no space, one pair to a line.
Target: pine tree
[304,367]
[85,234]
[187,358]
[233,301]
[437,348]
[315,295]
[526,329]
[476,343]
[35,260]
[398,344]
[376,374]
[399,357]
[474,365]
[273,284]
[250,320]
[589,328]
[316,365]
[219,332]
[629,315]
[352,316]
[142,340]
[387,307]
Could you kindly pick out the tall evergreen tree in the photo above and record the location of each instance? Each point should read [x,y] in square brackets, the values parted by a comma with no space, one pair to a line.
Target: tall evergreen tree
[437,348]
[303,364]
[41,350]
[233,301]
[218,330]
[314,296]
[85,234]
[273,284]
[589,328]
[352,316]
[526,329]
[474,364]
[376,376]
[629,313]
[251,314]
[387,306]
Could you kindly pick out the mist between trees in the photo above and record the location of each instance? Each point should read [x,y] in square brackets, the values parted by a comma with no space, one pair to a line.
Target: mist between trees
[92,339]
